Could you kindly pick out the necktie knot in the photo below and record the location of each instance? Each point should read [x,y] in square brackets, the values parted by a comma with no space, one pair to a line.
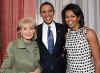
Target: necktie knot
[49,30]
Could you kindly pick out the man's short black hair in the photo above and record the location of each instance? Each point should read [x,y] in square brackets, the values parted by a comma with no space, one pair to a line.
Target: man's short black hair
[46,3]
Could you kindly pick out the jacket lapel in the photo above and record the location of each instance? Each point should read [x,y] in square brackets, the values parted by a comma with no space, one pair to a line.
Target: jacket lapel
[40,37]
[57,36]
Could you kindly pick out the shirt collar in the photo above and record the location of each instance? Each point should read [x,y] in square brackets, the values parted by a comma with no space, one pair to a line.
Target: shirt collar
[20,43]
[52,25]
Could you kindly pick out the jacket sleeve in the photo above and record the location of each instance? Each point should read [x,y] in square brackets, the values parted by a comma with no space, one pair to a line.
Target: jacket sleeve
[38,56]
[9,60]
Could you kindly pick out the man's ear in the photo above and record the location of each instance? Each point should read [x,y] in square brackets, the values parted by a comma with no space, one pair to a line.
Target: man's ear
[54,13]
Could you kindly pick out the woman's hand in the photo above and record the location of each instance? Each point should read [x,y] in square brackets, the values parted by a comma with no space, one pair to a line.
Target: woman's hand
[36,71]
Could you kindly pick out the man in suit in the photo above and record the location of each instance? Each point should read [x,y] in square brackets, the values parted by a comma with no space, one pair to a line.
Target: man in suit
[51,62]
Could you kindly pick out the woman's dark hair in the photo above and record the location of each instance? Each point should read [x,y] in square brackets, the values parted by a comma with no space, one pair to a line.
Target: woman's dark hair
[76,10]
[46,3]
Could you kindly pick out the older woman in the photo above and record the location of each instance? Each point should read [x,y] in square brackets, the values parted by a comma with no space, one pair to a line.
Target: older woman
[23,53]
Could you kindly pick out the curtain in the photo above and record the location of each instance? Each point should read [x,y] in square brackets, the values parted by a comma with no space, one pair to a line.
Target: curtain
[91,10]
[11,11]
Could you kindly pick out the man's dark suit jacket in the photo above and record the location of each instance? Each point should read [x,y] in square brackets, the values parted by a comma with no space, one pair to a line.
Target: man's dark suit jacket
[56,60]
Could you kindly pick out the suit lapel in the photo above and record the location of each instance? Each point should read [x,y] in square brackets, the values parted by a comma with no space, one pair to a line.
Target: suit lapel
[40,37]
[57,36]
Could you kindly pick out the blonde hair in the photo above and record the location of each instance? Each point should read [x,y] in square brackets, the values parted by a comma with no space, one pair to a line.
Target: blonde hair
[22,22]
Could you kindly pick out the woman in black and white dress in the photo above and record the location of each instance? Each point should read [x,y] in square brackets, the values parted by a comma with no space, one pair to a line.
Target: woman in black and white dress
[82,46]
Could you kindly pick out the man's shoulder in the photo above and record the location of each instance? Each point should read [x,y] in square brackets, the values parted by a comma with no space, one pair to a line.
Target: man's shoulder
[39,26]
[59,25]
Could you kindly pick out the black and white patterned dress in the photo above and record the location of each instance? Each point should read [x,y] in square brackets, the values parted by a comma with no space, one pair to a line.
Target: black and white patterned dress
[79,59]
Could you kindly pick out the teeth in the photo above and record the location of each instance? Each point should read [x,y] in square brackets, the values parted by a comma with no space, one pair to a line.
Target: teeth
[70,22]
[48,18]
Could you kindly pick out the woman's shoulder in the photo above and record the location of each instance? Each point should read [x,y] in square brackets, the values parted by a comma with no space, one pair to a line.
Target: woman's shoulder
[13,43]
[91,31]
[11,46]
[91,34]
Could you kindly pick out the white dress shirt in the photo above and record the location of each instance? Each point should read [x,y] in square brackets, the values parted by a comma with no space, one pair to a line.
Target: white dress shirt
[45,33]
